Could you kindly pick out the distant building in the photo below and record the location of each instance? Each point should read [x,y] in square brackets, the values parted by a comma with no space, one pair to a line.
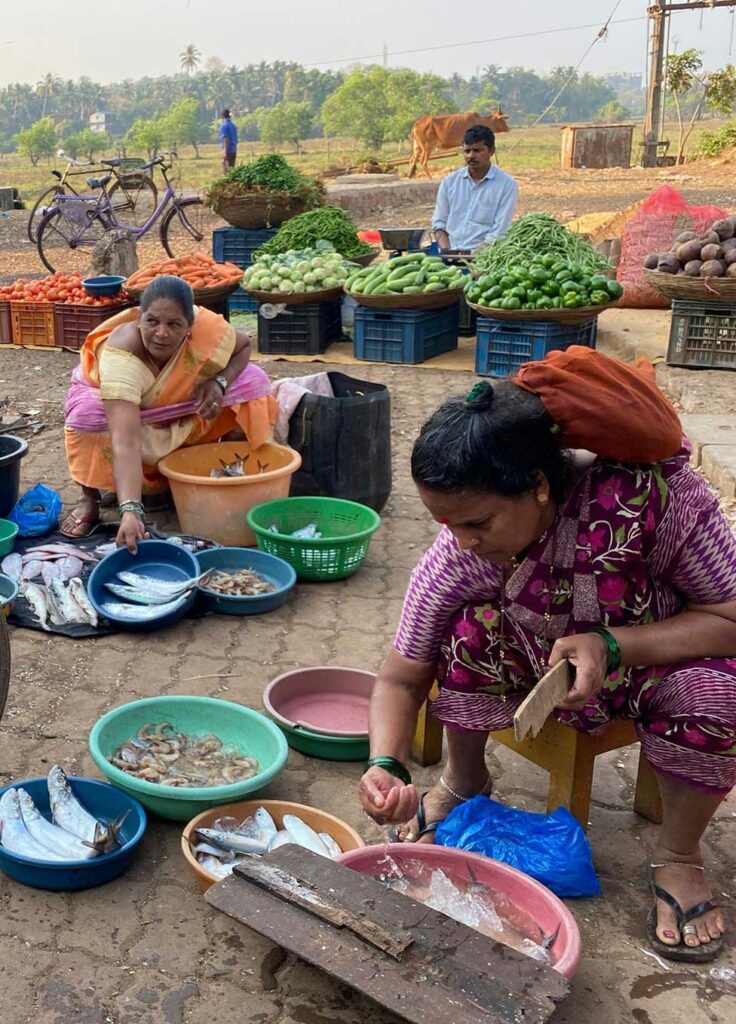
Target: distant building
[103,121]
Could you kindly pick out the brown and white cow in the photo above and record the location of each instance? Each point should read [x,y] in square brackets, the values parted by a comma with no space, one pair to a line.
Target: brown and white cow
[430,133]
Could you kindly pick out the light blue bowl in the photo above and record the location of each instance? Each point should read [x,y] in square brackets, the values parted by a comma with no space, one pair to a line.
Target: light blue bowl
[104,802]
[108,284]
[274,570]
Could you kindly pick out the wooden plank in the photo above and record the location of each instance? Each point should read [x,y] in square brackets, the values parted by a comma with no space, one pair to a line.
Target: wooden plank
[449,972]
[551,689]
[302,893]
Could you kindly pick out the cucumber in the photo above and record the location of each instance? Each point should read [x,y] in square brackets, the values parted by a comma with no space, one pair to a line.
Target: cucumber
[401,261]
[413,289]
[434,286]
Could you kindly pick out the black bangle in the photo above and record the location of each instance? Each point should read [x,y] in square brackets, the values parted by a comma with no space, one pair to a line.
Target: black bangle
[392,766]
[613,660]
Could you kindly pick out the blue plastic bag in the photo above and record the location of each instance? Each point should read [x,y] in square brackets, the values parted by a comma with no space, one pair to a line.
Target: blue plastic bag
[37,511]
[550,847]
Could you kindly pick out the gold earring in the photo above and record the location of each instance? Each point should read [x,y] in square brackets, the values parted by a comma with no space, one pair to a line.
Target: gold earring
[543,499]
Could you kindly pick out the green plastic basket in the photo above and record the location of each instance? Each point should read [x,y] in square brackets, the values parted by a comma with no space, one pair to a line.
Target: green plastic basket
[346,528]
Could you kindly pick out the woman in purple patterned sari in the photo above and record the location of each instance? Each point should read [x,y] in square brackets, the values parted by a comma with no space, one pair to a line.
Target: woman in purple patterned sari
[629,571]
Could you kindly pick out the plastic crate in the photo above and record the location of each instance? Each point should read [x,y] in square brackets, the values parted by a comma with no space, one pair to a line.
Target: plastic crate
[503,346]
[405,336]
[72,322]
[468,320]
[237,245]
[703,335]
[6,324]
[240,301]
[33,324]
[301,330]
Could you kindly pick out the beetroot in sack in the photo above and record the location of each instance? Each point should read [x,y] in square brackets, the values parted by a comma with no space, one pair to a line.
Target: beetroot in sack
[652,229]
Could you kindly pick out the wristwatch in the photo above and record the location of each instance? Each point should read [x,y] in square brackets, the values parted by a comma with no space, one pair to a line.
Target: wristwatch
[221,381]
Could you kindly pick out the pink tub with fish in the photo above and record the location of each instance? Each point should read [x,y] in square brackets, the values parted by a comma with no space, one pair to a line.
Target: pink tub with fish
[528,909]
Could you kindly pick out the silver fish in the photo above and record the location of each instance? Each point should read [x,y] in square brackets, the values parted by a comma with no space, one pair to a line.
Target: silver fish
[12,565]
[79,593]
[62,549]
[158,587]
[66,603]
[305,835]
[103,550]
[265,825]
[69,566]
[232,841]
[55,614]
[333,848]
[282,838]
[215,866]
[68,813]
[49,572]
[135,596]
[31,569]
[15,836]
[36,597]
[209,850]
[140,612]
[56,839]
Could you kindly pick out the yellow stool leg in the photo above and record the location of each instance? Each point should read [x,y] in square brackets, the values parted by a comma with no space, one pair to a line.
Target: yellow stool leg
[571,776]
[426,747]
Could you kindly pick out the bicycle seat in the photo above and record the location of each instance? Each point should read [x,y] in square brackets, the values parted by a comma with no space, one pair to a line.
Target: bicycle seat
[99,182]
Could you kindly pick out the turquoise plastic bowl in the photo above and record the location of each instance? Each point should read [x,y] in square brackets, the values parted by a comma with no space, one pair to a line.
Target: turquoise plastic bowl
[232,723]
[8,533]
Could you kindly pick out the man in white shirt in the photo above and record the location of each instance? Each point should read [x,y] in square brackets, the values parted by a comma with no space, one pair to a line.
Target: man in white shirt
[475,204]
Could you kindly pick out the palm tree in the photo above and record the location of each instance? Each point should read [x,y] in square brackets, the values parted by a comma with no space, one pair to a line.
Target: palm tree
[189,59]
[46,88]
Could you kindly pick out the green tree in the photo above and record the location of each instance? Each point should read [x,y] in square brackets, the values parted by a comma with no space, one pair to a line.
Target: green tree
[85,143]
[408,96]
[37,141]
[148,135]
[190,59]
[49,85]
[180,125]
[611,112]
[285,122]
[715,90]
[356,108]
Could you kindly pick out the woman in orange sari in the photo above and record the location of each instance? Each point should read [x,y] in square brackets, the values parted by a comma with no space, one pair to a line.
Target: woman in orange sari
[151,381]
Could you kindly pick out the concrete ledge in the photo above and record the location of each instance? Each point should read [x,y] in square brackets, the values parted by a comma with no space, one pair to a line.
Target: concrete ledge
[371,198]
[709,432]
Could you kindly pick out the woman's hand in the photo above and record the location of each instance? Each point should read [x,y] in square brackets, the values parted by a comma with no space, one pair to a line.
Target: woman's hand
[385,798]
[208,397]
[589,654]
[132,529]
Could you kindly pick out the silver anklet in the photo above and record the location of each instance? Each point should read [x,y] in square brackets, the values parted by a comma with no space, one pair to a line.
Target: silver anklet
[448,789]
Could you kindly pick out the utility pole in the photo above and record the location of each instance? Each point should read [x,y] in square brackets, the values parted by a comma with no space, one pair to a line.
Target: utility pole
[659,11]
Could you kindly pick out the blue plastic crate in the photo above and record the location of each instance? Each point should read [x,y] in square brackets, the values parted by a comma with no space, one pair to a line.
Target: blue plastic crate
[240,301]
[237,245]
[406,335]
[502,346]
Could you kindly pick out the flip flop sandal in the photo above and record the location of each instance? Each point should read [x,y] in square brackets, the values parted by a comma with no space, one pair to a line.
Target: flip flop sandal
[424,827]
[683,953]
[85,524]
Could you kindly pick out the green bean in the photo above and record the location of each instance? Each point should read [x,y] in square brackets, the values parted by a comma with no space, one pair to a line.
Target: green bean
[533,236]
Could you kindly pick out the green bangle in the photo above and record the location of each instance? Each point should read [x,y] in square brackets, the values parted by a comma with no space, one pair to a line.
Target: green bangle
[392,766]
[613,660]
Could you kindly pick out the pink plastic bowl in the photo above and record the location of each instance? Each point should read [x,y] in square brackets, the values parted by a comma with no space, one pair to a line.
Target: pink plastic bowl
[529,896]
[328,700]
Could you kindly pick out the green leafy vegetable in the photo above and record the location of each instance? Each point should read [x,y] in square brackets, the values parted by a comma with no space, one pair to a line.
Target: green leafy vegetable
[268,174]
[329,223]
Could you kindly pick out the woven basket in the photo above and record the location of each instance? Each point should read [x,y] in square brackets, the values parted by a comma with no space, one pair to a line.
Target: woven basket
[295,298]
[365,260]
[258,210]
[700,289]
[201,295]
[540,316]
[415,300]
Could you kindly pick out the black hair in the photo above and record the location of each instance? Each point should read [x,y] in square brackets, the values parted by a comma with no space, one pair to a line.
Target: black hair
[479,133]
[498,439]
[225,113]
[173,288]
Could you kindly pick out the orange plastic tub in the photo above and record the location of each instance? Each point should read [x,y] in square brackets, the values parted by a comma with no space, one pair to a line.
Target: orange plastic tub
[216,507]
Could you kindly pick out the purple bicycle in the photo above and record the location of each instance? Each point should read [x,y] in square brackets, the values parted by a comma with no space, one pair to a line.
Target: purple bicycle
[75,223]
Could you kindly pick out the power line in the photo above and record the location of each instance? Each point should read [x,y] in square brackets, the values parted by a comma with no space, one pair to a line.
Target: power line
[472,42]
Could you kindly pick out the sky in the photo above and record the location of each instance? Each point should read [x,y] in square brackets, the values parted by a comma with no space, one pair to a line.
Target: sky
[77,37]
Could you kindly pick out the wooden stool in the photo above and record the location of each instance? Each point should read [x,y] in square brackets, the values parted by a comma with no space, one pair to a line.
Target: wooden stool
[568,755]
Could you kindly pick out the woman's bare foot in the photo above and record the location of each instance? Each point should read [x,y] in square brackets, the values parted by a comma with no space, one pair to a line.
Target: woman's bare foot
[436,804]
[684,879]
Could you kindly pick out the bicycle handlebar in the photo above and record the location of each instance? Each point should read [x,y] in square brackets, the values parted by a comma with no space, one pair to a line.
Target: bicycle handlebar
[72,162]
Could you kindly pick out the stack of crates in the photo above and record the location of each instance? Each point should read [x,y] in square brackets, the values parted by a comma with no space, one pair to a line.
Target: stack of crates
[702,335]
[237,245]
[503,346]
[405,335]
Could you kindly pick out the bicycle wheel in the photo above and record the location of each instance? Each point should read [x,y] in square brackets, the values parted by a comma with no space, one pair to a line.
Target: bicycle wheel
[186,225]
[4,663]
[133,197]
[45,199]
[65,243]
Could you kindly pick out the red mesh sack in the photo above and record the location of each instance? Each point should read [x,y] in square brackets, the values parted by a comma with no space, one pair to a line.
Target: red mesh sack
[652,229]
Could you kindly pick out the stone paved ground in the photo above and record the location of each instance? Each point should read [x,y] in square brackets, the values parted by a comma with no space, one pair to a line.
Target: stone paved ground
[146,948]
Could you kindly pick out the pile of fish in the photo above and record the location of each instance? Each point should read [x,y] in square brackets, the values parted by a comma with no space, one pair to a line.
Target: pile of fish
[243,583]
[159,753]
[60,603]
[473,904]
[229,842]
[236,467]
[72,834]
[142,597]
[308,532]
[46,561]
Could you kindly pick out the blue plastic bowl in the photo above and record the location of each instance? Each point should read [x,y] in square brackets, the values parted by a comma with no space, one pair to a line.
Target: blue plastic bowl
[109,284]
[273,569]
[105,802]
[8,594]
[155,558]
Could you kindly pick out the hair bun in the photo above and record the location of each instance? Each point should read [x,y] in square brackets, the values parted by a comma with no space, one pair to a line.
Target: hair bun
[480,396]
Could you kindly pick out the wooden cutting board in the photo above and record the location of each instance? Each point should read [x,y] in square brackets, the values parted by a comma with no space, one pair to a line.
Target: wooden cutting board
[535,709]
[414,961]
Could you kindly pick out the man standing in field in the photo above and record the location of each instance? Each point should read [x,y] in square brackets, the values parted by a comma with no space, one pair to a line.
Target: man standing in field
[476,203]
[228,141]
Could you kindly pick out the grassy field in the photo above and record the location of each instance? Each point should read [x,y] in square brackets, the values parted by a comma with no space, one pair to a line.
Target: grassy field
[520,150]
